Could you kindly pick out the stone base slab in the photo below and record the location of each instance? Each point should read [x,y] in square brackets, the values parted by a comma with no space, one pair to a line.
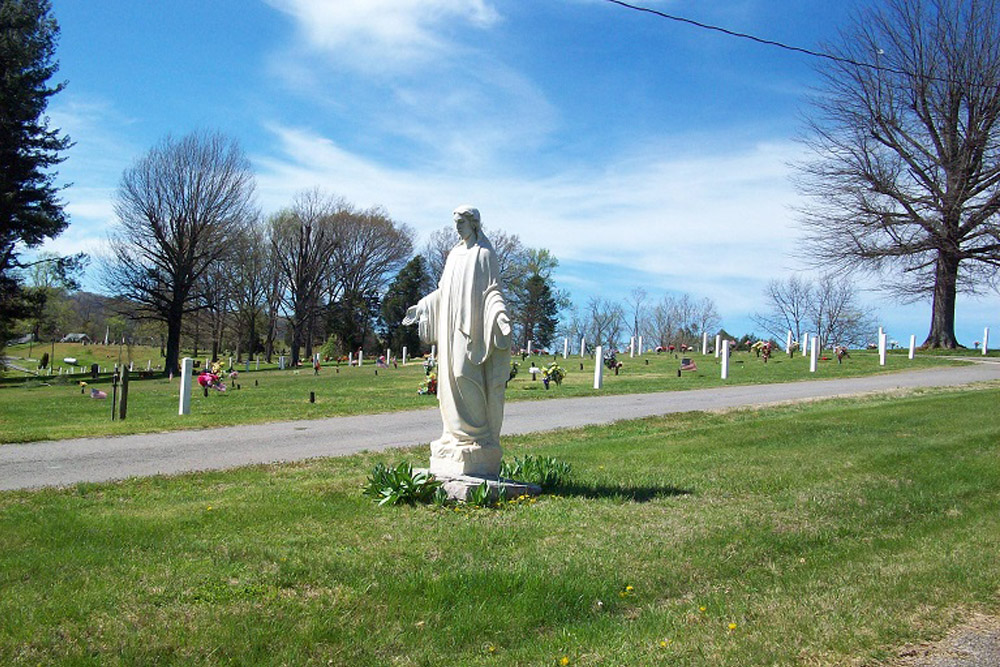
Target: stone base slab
[459,487]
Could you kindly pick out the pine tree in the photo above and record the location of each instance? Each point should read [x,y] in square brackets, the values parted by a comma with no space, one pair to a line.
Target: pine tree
[30,208]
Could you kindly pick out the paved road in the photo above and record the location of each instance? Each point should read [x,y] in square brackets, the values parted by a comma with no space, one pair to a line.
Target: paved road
[62,462]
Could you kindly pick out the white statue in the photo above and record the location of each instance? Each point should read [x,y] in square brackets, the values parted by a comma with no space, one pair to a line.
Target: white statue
[467,319]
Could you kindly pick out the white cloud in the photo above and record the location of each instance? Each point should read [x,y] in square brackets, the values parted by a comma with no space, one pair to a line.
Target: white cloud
[374,34]
[712,219]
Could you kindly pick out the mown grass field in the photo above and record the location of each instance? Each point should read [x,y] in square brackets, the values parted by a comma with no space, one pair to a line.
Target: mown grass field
[54,408]
[815,534]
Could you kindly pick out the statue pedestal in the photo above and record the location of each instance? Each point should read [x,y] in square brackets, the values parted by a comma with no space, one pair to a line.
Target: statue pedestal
[452,460]
[458,487]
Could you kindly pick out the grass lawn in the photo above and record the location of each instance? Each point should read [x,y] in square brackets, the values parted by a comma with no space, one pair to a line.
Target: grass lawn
[54,407]
[815,534]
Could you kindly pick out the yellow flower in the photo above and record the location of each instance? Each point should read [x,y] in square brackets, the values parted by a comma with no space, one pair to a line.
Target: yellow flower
[491,648]
[732,626]
[564,660]
[701,609]
[664,643]
[629,589]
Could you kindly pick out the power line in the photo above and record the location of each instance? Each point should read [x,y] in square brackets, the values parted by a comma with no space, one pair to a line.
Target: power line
[760,40]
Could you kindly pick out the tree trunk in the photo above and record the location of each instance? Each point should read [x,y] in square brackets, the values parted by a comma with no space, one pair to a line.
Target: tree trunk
[942,332]
[170,362]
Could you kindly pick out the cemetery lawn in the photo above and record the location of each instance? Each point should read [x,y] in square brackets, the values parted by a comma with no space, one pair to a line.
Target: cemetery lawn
[58,407]
[823,533]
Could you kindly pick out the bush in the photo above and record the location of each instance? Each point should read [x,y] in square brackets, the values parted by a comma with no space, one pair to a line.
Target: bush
[548,473]
[44,363]
[395,486]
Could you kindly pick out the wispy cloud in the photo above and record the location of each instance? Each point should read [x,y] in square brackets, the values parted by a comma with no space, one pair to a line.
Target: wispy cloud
[374,35]
[703,224]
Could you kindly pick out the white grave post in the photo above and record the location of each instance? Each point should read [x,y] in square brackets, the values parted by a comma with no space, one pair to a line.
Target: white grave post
[631,347]
[882,339]
[718,345]
[529,348]
[565,348]
[583,345]
[986,340]
[350,358]
[433,352]
[258,364]
[281,363]
[913,345]
[598,368]
[725,359]
[788,343]
[361,357]
[388,355]
[805,343]
[149,364]
[640,346]
[704,343]
[230,363]
[813,354]
[404,355]
[187,365]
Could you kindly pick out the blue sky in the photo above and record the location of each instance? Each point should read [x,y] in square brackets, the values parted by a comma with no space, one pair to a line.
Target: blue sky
[640,151]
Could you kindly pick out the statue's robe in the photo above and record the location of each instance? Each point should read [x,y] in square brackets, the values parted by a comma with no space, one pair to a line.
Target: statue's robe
[467,319]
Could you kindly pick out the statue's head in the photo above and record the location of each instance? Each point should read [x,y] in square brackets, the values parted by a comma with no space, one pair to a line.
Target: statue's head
[469,214]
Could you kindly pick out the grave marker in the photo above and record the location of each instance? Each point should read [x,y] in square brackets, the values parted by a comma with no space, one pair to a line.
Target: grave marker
[813,354]
[583,345]
[187,368]
[404,355]
[718,345]
[986,340]
[565,348]
[882,339]
[788,343]
[704,343]
[913,345]
[724,353]
[805,343]
[281,363]
[631,348]
[599,368]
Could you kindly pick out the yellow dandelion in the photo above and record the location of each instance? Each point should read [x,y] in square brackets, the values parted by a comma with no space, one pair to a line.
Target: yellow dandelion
[491,648]
[208,509]
[701,609]
[629,589]
[664,643]
[564,660]
[732,626]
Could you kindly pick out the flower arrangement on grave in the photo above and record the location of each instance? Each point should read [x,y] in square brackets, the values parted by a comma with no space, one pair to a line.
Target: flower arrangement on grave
[211,378]
[553,373]
[430,383]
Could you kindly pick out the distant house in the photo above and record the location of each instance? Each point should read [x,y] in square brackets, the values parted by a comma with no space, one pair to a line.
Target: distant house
[26,338]
[76,338]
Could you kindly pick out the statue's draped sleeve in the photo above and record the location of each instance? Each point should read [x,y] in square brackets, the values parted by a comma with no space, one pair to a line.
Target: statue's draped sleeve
[483,316]
[427,316]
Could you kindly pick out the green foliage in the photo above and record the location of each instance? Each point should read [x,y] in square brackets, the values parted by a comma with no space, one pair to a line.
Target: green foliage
[330,349]
[547,472]
[479,496]
[399,485]
[44,363]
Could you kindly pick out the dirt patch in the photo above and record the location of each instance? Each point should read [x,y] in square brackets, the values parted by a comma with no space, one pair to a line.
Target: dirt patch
[975,643]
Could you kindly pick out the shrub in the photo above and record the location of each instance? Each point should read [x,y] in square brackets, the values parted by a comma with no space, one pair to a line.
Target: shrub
[395,486]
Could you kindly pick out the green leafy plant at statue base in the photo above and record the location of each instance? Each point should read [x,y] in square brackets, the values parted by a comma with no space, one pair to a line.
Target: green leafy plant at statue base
[547,472]
[399,485]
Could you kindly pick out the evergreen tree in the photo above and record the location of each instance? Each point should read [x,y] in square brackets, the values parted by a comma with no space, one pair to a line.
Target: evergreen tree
[30,209]
[539,311]
[411,283]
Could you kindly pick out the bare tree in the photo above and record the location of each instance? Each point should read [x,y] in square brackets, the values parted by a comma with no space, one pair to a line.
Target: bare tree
[789,303]
[907,168]
[827,307]
[303,240]
[436,250]
[637,303]
[177,209]
[371,250]
[604,322]
[253,274]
